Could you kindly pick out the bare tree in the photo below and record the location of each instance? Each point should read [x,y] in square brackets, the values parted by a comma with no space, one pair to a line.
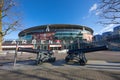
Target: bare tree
[109,12]
[9,19]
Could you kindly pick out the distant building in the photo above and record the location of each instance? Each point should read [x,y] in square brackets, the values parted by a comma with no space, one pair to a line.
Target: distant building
[112,39]
[116,30]
[107,35]
[97,38]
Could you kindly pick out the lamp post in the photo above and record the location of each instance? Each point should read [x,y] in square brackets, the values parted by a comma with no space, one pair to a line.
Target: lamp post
[1,34]
[15,56]
[78,41]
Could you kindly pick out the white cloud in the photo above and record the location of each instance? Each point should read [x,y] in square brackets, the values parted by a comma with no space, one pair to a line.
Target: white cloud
[107,28]
[93,8]
[96,33]
[97,13]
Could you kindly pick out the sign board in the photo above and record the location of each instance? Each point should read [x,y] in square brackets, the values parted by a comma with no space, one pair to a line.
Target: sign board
[55,45]
[33,41]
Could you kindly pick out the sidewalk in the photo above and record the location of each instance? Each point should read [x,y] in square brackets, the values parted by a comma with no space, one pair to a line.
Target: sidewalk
[95,69]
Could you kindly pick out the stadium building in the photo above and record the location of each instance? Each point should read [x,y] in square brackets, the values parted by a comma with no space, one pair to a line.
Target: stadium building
[56,36]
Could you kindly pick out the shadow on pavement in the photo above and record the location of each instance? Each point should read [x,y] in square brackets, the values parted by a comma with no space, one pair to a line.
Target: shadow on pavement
[59,62]
[24,62]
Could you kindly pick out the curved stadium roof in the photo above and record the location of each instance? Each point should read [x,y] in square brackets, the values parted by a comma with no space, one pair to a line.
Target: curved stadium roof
[55,26]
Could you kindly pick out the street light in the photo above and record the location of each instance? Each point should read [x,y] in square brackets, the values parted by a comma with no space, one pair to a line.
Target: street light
[78,41]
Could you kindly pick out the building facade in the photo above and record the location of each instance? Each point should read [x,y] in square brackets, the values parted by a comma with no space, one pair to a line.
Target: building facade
[110,35]
[111,38]
[56,36]
[116,30]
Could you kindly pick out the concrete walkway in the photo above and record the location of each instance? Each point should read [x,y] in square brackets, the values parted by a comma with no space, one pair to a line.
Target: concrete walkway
[91,64]
[103,65]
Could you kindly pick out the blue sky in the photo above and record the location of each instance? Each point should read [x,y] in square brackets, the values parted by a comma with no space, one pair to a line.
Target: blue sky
[40,12]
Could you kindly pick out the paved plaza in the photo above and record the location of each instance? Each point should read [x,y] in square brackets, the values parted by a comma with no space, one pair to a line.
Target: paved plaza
[101,65]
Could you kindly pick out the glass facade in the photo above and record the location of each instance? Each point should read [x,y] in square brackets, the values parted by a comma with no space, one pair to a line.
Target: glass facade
[68,34]
[57,34]
[55,37]
[26,37]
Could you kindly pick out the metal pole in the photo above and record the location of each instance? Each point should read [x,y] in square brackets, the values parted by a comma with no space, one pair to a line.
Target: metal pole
[15,56]
[78,43]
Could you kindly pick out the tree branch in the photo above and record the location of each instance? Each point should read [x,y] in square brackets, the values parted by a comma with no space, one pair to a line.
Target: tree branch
[110,11]
[10,27]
